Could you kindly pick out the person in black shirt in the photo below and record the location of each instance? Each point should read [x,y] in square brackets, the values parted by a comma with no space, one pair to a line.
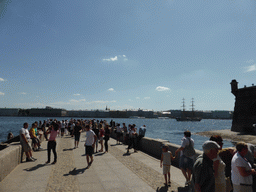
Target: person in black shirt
[76,132]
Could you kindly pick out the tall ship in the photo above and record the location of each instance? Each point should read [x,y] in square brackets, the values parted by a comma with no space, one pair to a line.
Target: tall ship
[184,114]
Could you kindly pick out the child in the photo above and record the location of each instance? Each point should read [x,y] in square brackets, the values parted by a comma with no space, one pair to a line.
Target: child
[165,162]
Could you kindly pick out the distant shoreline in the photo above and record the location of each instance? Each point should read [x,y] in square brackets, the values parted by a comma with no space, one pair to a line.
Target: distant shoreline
[230,135]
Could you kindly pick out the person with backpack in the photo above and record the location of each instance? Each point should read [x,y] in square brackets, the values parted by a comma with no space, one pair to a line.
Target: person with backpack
[187,153]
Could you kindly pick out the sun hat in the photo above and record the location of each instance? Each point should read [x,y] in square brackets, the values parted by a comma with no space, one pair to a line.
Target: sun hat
[208,145]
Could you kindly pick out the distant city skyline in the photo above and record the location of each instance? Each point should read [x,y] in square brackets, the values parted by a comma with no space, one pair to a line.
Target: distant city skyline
[125,54]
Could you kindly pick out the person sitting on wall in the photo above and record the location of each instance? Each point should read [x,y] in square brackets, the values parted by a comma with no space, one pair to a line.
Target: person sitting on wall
[10,136]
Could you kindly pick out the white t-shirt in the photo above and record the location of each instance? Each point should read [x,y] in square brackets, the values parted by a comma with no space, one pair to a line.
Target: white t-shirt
[118,129]
[24,132]
[185,142]
[89,138]
[239,161]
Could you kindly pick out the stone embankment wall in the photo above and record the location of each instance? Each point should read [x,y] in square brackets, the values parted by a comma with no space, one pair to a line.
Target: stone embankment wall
[153,147]
[10,157]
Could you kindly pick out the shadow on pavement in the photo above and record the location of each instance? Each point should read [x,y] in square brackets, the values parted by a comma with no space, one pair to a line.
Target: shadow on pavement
[70,149]
[76,171]
[35,167]
[162,189]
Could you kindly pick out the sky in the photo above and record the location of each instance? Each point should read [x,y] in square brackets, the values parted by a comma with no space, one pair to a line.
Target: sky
[136,54]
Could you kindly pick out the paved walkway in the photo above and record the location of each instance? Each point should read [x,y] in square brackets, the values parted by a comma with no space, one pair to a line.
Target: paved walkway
[113,171]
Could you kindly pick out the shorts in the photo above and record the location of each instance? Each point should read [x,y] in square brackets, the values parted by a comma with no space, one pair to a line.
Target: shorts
[35,141]
[89,150]
[101,138]
[166,169]
[77,137]
[62,130]
[25,146]
[186,163]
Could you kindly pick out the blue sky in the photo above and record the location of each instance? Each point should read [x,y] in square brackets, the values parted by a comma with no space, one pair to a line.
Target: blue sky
[132,54]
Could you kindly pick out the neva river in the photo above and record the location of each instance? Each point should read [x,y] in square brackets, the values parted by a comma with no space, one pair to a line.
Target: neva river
[167,129]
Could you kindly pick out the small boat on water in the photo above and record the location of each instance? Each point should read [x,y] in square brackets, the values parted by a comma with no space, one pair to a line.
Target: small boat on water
[184,117]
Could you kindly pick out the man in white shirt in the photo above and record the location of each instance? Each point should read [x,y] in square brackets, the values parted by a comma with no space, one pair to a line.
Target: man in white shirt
[24,141]
[89,144]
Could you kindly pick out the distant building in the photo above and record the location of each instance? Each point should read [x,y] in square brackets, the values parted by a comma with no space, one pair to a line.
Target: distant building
[47,112]
[244,115]
[9,111]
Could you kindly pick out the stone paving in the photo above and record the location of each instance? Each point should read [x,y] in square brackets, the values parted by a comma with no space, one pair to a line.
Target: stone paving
[113,171]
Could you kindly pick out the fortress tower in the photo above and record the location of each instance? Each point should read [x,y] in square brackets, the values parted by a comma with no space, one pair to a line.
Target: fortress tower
[245,108]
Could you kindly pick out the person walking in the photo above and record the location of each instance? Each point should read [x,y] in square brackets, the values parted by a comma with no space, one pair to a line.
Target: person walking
[89,144]
[186,156]
[51,145]
[165,162]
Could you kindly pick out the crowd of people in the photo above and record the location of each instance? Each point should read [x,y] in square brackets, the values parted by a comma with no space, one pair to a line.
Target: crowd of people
[97,132]
[217,169]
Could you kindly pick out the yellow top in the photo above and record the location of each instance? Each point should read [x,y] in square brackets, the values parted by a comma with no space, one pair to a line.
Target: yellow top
[32,132]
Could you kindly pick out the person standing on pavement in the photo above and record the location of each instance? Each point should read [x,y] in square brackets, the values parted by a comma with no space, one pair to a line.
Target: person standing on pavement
[25,142]
[51,145]
[77,132]
[132,139]
[118,133]
[165,162]
[142,132]
[186,156]
[89,144]
[203,179]
[107,136]
[241,170]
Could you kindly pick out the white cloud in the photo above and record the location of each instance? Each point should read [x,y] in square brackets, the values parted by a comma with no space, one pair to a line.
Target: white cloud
[1,79]
[250,68]
[23,93]
[146,97]
[160,88]
[1,93]
[77,94]
[137,98]
[111,59]
[111,89]
[118,57]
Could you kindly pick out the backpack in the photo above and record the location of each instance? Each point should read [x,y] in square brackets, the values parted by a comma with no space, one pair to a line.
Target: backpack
[189,150]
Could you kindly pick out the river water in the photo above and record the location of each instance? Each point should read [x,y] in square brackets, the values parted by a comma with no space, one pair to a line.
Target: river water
[167,129]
